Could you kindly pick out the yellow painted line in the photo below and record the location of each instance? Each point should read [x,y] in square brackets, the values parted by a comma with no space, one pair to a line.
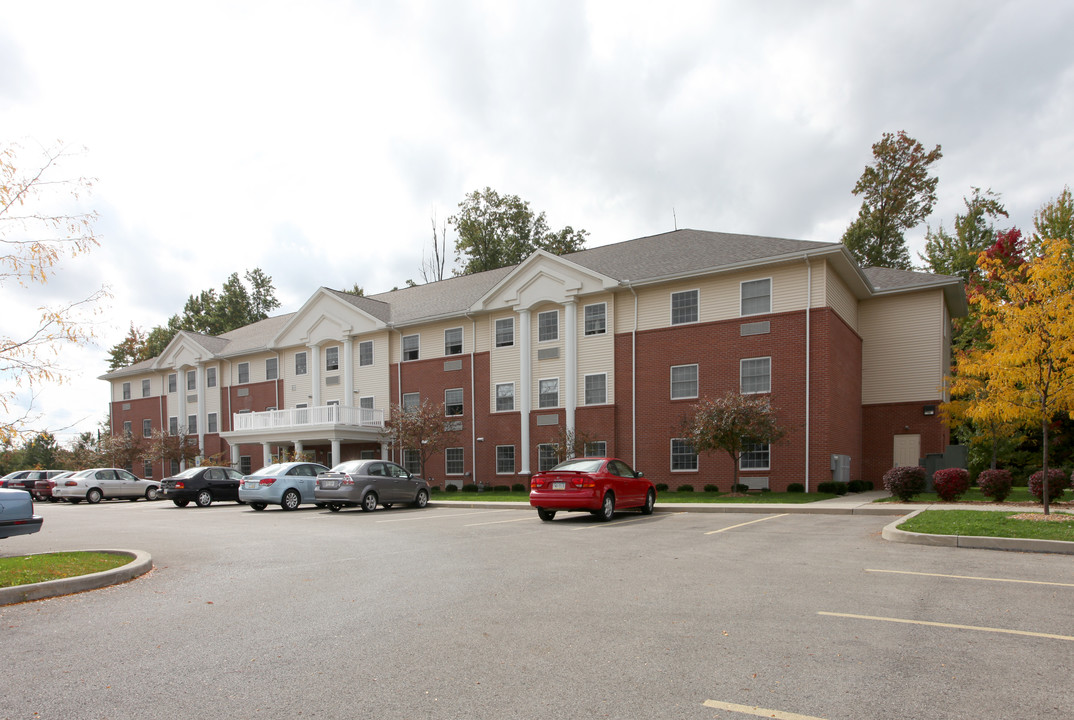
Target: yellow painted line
[950,625]
[757,711]
[423,516]
[498,522]
[769,517]
[972,577]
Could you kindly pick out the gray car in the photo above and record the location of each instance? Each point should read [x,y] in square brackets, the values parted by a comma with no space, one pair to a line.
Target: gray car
[368,483]
[17,514]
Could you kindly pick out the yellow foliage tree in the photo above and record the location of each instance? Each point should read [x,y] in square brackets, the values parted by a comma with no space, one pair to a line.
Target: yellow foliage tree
[37,230]
[1025,372]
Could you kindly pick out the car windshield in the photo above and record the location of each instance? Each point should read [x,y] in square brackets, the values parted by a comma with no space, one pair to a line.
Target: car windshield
[270,469]
[189,472]
[580,465]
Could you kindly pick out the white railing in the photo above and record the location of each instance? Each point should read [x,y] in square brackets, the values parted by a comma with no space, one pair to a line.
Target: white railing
[300,417]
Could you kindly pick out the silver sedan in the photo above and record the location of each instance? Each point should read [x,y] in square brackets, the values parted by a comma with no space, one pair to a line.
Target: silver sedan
[368,483]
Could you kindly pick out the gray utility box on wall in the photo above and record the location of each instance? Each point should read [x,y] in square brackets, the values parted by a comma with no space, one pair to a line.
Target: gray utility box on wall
[955,456]
[841,468]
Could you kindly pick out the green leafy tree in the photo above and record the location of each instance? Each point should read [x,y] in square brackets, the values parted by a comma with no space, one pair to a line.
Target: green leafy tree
[948,254]
[731,424]
[40,451]
[122,449]
[897,195]
[496,231]
[1054,219]
[181,448]
[422,429]
[37,231]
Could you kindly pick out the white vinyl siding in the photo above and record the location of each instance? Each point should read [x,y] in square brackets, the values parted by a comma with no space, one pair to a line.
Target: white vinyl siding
[902,359]
[756,297]
[838,296]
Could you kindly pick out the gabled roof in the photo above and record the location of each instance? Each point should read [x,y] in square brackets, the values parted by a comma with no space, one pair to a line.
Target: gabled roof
[886,281]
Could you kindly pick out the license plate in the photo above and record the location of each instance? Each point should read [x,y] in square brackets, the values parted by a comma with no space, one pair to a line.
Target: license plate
[252,485]
[330,484]
[559,486]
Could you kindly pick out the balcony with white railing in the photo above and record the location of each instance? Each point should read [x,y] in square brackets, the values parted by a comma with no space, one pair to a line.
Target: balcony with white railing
[325,416]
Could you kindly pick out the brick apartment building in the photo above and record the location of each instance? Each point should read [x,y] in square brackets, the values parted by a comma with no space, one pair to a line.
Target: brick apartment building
[615,343]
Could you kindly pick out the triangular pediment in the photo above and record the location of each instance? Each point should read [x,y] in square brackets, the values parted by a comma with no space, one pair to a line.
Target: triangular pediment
[186,348]
[541,278]
[325,317]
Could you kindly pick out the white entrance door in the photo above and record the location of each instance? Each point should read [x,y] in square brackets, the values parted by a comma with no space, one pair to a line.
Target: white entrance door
[907,450]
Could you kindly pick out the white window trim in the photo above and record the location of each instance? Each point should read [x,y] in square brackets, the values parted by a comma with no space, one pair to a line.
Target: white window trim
[495,343]
[671,455]
[370,397]
[402,347]
[671,382]
[602,332]
[595,442]
[538,458]
[446,461]
[462,393]
[211,378]
[372,353]
[462,341]
[742,362]
[125,391]
[150,428]
[586,377]
[339,358]
[514,460]
[267,361]
[305,363]
[547,312]
[752,280]
[147,391]
[191,374]
[496,398]
[405,395]
[558,394]
[671,306]
[173,383]
[238,373]
[766,468]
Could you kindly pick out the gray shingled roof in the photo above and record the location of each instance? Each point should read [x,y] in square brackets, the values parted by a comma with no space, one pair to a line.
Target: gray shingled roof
[891,279]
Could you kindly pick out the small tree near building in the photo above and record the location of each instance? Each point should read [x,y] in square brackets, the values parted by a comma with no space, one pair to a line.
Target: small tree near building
[732,423]
[422,429]
[182,449]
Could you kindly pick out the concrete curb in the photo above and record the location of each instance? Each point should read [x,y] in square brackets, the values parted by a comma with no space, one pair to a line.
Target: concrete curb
[892,533]
[141,563]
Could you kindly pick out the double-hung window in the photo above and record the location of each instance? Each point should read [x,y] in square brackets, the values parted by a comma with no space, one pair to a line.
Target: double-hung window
[684,307]
[505,332]
[757,297]
[210,377]
[191,380]
[755,456]
[755,375]
[300,363]
[505,459]
[147,428]
[411,347]
[596,448]
[454,463]
[173,426]
[548,326]
[272,369]
[126,391]
[147,387]
[192,425]
[365,353]
[331,358]
[596,320]
[546,457]
[453,341]
[683,457]
[453,402]
[211,422]
[548,393]
[683,381]
[505,397]
[244,373]
[411,401]
[171,382]
[596,389]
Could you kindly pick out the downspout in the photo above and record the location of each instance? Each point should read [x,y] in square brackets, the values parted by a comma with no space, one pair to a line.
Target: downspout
[279,379]
[634,382]
[473,397]
[398,452]
[808,314]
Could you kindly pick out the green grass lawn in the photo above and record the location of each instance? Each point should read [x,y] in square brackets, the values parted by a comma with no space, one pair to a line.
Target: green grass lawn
[667,496]
[27,569]
[1018,495]
[987,524]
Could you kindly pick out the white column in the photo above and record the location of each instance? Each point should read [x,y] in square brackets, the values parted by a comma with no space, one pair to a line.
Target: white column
[384,451]
[235,456]
[348,372]
[181,391]
[266,456]
[571,351]
[201,410]
[315,370]
[525,393]
[299,447]
[335,453]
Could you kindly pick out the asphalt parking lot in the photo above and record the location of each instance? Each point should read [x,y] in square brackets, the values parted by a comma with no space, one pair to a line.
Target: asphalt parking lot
[491,613]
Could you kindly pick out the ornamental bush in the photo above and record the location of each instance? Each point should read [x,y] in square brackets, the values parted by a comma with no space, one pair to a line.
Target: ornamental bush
[951,483]
[796,488]
[469,487]
[905,482]
[518,487]
[685,488]
[832,487]
[1057,483]
[995,484]
[661,487]
[711,488]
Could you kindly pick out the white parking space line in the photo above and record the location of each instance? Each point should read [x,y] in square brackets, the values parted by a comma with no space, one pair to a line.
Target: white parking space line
[612,524]
[423,516]
[769,517]
[951,626]
[757,711]
[972,577]
[500,522]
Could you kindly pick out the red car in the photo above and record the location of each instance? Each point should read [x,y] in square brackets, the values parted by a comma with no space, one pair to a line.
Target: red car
[595,485]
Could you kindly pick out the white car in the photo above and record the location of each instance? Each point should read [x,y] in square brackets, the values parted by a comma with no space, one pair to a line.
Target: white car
[98,484]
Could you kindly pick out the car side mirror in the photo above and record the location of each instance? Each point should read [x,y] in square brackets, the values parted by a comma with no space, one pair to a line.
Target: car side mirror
[639,474]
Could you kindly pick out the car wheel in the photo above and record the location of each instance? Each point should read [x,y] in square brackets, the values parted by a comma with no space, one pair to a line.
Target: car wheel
[181,503]
[93,496]
[335,507]
[259,506]
[546,515]
[291,500]
[607,508]
[204,499]
[152,492]
[422,499]
[650,502]
[369,502]
[52,499]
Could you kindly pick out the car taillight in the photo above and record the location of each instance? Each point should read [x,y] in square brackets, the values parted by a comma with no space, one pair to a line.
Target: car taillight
[179,485]
[266,481]
[347,480]
[71,483]
[536,484]
[585,483]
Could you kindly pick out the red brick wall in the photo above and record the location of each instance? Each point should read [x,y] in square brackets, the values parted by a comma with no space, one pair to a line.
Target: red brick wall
[880,423]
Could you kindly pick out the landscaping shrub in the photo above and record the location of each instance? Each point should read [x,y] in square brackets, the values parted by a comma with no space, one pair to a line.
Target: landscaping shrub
[833,487]
[796,487]
[435,488]
[661,487]
[451,489]
[711,488]
[685,488]
[518,487]
[740,488]
[995,484]
[469,487]
[856,486]
[869,485]
[1057,483]
[951,483]
[502,488]
[905,482]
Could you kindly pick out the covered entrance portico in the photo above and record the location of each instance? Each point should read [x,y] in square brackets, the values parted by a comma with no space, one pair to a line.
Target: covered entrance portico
[302,428]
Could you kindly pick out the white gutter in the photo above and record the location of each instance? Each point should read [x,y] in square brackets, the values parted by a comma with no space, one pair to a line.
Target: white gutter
[633,382]
[808,314]
[473,398]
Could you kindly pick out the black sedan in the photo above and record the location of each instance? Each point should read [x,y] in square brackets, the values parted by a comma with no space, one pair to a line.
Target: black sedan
[202,485]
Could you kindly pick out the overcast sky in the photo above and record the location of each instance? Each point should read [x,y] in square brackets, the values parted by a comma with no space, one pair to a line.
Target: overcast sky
[316,139]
